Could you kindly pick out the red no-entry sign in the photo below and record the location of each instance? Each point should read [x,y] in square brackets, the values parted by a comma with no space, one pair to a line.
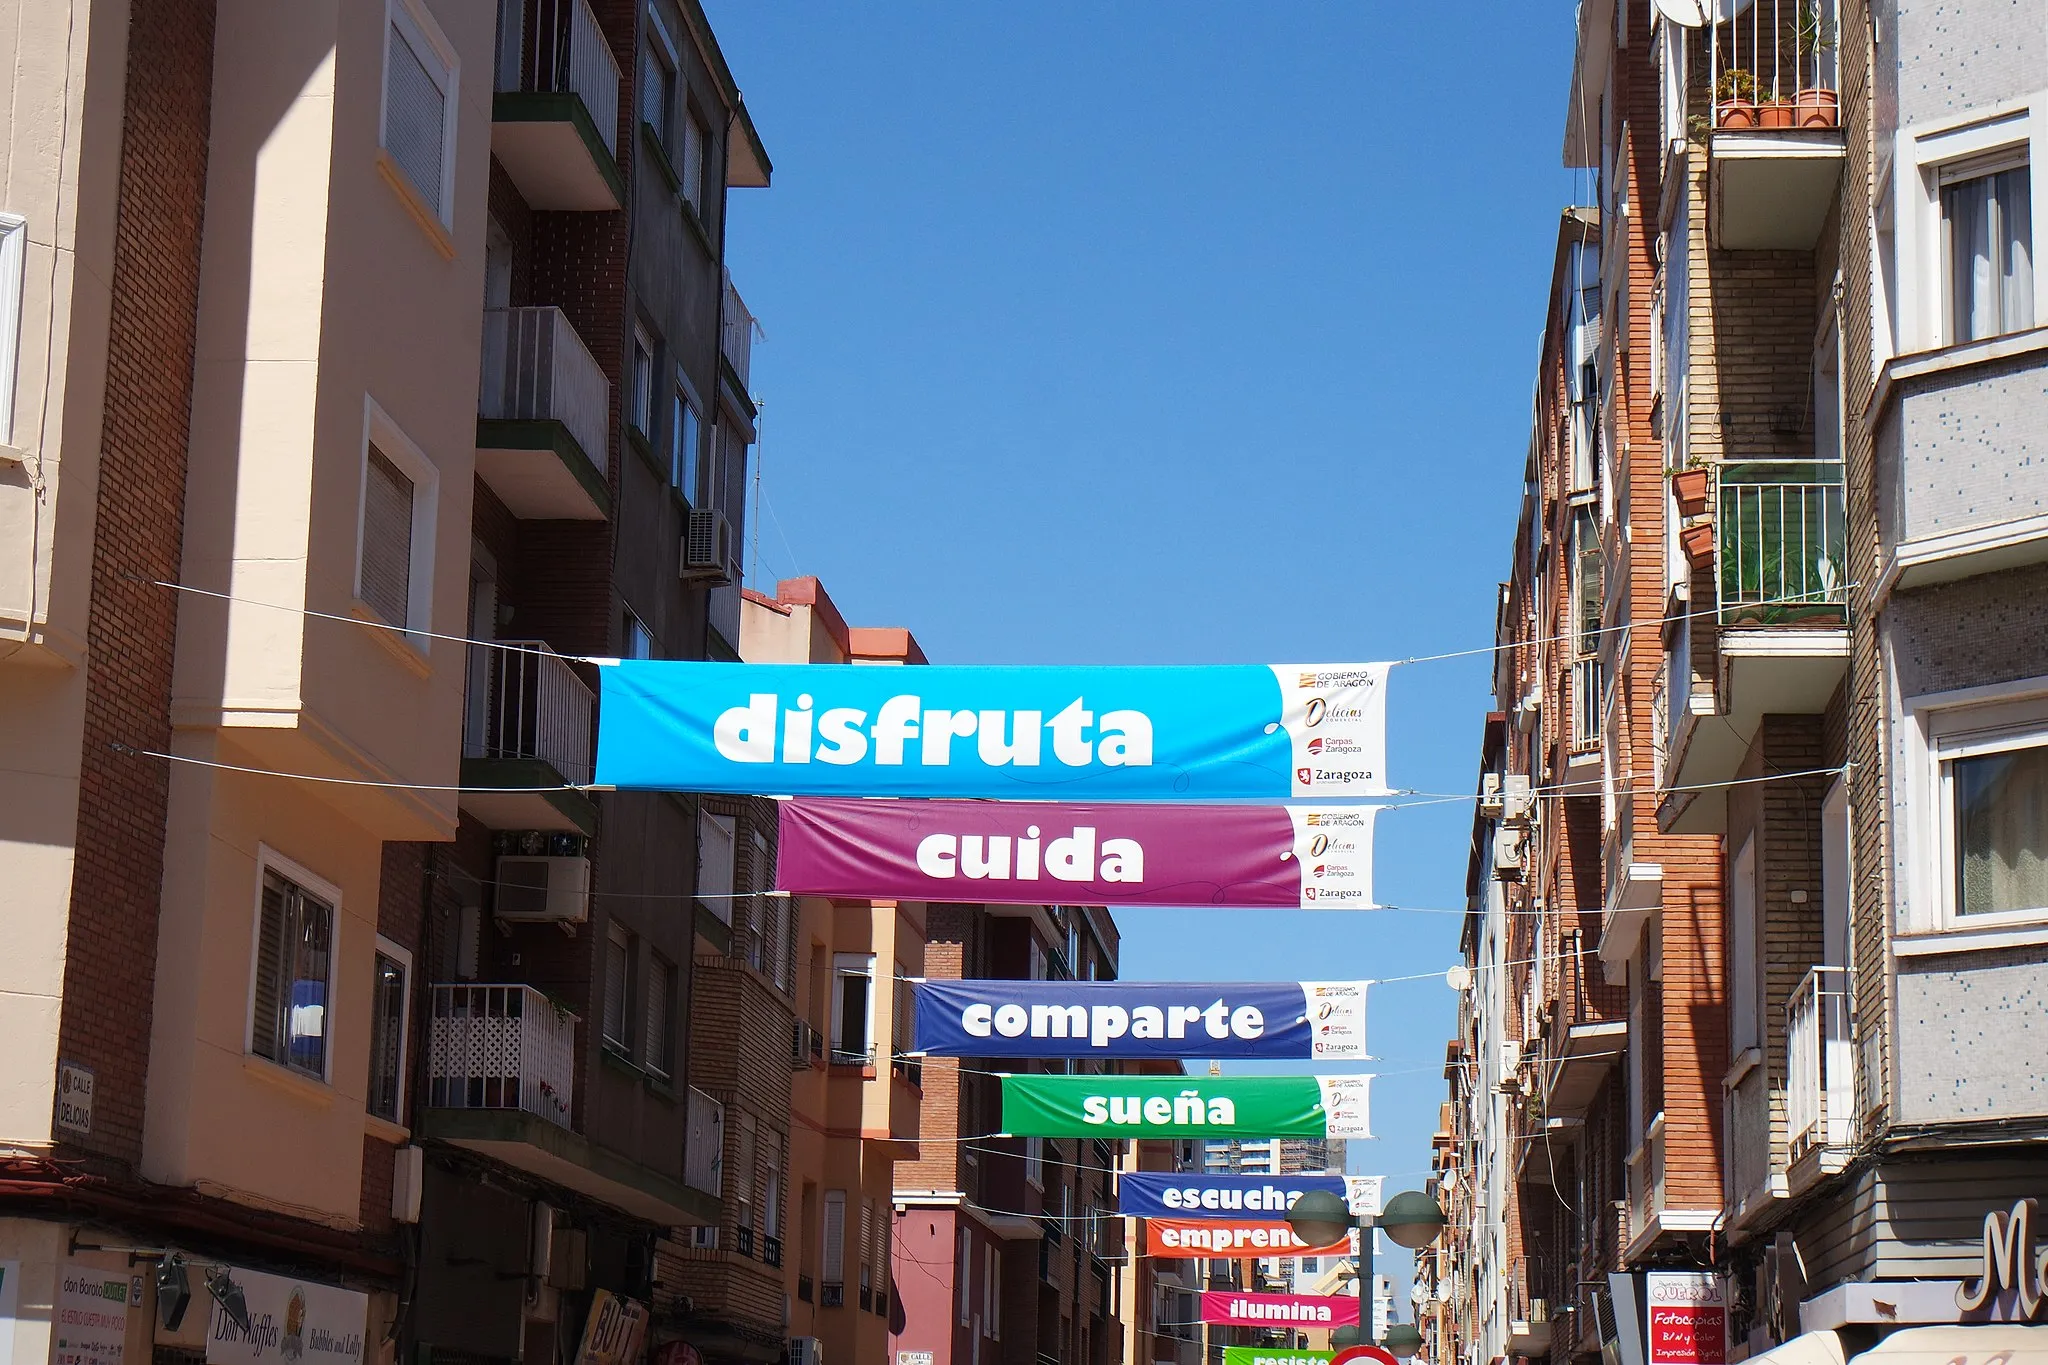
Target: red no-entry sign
[1357,1355]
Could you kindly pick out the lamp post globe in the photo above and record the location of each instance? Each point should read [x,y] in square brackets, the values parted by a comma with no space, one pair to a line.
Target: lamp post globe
[1320,1218]
[1410,1220]
[1344,1338]
[1403,1339]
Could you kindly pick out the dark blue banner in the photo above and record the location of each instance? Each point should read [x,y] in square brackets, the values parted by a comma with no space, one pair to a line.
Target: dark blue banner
[1250,1198]
[1295,1020]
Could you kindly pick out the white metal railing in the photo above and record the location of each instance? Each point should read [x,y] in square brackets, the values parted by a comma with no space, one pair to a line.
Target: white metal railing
[569,55]
[1586,704]
[704,1144]
[1819,1067]
[535,368]
[501,1047]
[736,335]
[527,702]
[1773,66]
[1782,542]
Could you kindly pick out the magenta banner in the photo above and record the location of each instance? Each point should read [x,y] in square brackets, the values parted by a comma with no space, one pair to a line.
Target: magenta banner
[1031,853]
[1285,1310]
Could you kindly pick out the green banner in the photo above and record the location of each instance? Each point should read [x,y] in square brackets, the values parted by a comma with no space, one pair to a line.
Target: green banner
[1272,1355]
[1185,1106]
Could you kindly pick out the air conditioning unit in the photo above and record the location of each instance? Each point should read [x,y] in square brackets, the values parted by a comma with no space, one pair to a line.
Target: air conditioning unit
[1518,802]
[542,889]
[707,548]
[805,1351]
[803,1043]
[1507,855]
[1490,796]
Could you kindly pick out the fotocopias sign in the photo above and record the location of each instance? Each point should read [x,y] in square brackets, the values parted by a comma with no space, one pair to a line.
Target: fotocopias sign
[1305,1020]
[1172,1238]
[1242,731]
[1286,1310]
[1688,1318]
[1284,857]
[1167,1194]
[1187,1106]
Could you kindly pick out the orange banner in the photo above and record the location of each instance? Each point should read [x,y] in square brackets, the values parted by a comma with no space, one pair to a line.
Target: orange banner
[1173,1237]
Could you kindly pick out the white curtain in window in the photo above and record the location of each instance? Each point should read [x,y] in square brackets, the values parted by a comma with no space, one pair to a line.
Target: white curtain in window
[2001,815]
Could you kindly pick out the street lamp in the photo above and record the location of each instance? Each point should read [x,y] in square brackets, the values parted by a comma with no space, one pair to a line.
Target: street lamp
[1411,1220]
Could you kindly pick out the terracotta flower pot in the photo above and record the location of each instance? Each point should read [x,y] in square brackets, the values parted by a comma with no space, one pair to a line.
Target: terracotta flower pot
[1738,114]
[1698,543]
[1691,487]
[1816,108]
[1775,114]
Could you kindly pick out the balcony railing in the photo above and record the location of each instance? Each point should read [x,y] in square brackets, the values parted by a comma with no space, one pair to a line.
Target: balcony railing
[1773,66]
[736,336]
[1586,706]
[501,1047]
[569,55]
[526,702]
[1783,540]
[1819,1064]
[537,369]
[704,1144]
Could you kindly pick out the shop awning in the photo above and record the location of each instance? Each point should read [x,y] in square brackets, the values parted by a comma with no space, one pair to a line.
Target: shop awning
[2008,1345]
[1808,1348]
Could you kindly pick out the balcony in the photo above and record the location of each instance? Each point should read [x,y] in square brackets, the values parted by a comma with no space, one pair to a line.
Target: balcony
[1634,891]
[543,418]
[1820,1078]
[1780,638]
[704,1145]
[529,726]
[1591,1036]
[1582,745]
[501,1067]
[555,116]
[1646,1190]
[1777,148]
[1528,1309]
[736,337]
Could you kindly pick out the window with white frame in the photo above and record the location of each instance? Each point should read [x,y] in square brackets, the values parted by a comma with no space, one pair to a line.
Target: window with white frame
[390,1000]
[717,848]
[1994,809]
[1743,1016]
[853,1008]
[639,640]
[658,80]
[696,160]
[395,529]
[832,1241]
[1987,245]
[418,125]
[992,1293]
[640,381]
[663,984]
[618,983]
[1034,1162]
[963,1253]
[13,267]
[296,914]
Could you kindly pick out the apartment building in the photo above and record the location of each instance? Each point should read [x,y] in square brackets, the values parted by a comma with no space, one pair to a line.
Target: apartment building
[1008,1248]
[1159,1299]
[852,1092]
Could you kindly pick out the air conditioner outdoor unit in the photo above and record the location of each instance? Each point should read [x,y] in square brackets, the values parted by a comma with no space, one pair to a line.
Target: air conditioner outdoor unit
[1490,796]
[707,548]
[805,1351]
[1518,802]
[542,890]
[1507,855]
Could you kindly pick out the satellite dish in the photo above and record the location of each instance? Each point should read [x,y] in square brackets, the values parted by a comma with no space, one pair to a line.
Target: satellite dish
[1459,978]
[1699,13]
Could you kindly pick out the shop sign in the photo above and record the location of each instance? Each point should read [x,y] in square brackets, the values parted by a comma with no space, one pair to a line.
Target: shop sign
[1272,1355]
[1025,853]
[1224,733]
[1287,1020]
[1281,1310]
[2013,1267]
[1688,1318]
[1174,1238]
[92,1316]
[1187,1106]
[1165,1194]
[613,1332]
[289,1321]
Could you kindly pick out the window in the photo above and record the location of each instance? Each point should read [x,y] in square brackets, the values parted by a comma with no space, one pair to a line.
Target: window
[771,1190]
[1037,960]
[696,160]
[1987,243]
[618,982]
[867,1244]
[686,448]
[963,1250]
[881,1256]
[1742,966]
[1997,816]
[639,640]
[743,1178]
[640,397]
[658,80]
[294,969]
[832,1243]
[395,533]
[389,1013]
[992,1293]
[853,1004]
[419,103]
[662,984]
[764,912]
[716,848]
[13,264]
[902,1014]
[1034,1162]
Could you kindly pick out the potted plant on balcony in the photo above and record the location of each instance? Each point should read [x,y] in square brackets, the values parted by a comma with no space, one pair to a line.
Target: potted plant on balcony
[1697,541]
[1690,487]
[1815,106]
[1735,99]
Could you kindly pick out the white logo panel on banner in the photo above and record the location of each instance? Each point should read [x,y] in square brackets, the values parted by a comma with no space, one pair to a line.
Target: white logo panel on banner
[1336,1019]
[1336,721]
[1347,1110]
[1333,845]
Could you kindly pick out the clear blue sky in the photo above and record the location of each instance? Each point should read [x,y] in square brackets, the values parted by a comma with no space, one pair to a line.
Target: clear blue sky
[1171,333]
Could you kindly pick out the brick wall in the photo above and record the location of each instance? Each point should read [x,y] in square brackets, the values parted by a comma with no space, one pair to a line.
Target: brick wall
[131,628]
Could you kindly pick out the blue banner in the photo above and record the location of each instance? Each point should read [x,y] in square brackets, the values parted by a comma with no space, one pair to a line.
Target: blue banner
[1075,734]
[1320,1020]
[1166,1194]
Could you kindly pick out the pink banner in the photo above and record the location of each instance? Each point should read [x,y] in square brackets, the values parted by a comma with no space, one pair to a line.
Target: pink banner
[1031,853]
[1279,1310]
